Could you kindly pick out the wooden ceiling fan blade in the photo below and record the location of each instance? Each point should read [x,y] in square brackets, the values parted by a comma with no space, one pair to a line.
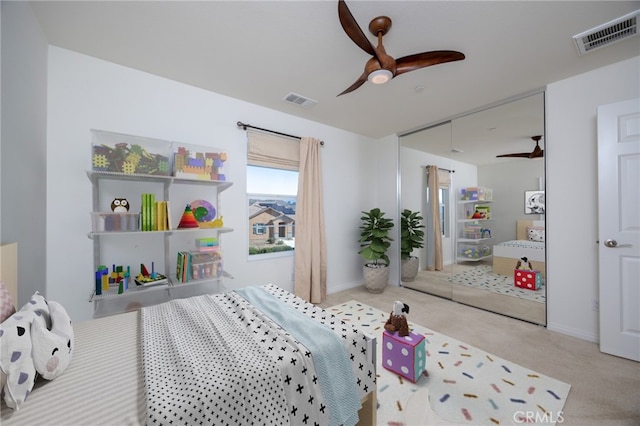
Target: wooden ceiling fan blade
[517,155]
[426,59]
[359,82]
[537,153]
[353,30]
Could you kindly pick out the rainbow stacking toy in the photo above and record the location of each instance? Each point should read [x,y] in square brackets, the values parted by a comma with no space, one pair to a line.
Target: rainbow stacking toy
[188,220]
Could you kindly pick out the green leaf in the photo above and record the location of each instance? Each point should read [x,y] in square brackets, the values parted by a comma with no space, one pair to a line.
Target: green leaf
[374,235]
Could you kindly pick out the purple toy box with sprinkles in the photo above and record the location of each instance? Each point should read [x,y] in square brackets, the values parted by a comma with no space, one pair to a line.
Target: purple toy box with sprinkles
[405,356]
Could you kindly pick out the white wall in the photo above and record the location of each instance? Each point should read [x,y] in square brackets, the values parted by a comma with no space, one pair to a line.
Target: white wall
[509,181]
[23,135]
[384,186]
[572,197]
[86,93]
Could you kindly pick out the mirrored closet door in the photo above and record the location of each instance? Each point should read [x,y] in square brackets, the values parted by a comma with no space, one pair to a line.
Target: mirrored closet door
[492,216]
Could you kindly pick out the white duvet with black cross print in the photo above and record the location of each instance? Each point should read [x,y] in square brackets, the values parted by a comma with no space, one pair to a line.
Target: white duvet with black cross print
[215,360]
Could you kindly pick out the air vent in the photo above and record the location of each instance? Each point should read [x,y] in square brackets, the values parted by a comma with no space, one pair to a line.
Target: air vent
[605,34]
[299,100]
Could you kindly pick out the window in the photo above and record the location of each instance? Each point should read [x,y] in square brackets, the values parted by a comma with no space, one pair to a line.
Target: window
[444,211]
[272,188]
[271,198]
[444,202]
[259,228]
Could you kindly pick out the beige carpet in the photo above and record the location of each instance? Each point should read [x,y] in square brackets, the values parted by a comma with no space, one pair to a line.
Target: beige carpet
[605,390]
[466,385]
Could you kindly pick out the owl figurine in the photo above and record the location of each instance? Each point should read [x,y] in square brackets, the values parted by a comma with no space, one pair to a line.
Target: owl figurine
[120,205]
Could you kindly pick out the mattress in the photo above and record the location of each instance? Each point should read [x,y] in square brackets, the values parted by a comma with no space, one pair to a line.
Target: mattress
[104,384]
[516,249]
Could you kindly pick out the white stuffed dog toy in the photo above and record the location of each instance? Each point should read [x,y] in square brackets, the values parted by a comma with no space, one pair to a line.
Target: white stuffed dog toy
[52,348]
[38,339]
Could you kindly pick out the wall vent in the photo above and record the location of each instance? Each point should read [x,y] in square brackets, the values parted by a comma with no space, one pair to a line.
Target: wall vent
[603,35]
[299,100]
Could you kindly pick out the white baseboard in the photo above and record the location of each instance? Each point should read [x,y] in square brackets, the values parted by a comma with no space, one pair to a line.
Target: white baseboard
[580,334]
[335,288]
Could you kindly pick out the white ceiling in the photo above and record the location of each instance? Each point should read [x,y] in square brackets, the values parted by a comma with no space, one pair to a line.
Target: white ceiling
[258,51]
[477,138]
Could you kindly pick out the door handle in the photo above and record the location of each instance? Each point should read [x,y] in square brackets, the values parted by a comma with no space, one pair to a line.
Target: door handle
[614,244]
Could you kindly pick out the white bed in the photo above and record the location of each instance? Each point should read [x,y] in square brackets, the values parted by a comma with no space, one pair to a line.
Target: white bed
[507,254]
[117,373]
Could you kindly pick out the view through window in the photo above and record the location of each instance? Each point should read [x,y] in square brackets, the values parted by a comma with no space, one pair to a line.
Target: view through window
[271,197]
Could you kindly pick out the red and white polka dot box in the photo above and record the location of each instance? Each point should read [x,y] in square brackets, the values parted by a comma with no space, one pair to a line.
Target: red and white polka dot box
[530,280]
[405,356]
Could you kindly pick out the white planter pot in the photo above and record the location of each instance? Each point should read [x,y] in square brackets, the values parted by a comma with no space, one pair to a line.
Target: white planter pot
[409,268]
[376,278]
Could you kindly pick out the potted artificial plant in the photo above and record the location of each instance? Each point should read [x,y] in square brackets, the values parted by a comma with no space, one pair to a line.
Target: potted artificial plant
[411,237]
[374,243]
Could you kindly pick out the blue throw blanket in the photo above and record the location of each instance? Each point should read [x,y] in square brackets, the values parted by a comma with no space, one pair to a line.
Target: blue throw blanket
[330,358]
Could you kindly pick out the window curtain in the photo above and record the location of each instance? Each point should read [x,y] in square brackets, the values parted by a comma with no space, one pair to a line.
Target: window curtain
[273,151]
[434,235]
[311,252]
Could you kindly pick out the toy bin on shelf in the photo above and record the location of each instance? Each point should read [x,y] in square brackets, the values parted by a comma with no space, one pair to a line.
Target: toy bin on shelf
[128,154]
[472,232]
[199,162]
[205,265]
[198,265]
[476,193]
[473,251]
[405,356]
[115,222]
[530,280]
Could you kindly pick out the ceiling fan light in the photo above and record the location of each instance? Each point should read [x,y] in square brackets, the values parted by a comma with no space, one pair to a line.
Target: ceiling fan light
[380,76]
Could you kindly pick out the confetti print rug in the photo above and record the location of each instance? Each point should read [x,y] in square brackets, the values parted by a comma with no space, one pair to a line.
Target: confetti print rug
[482,277]
[462,384]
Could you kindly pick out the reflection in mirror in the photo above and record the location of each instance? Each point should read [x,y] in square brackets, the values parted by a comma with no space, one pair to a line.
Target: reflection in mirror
[414,195]
[496,202]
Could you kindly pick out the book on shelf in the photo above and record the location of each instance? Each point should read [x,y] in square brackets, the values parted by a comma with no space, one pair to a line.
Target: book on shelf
[145,214]
[157,207]
[154,215]
[179,266]
[168,212]
[162,215]
[183,265]
[152,212]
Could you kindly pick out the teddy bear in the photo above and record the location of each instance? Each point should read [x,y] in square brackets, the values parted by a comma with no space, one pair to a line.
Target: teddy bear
[397,321]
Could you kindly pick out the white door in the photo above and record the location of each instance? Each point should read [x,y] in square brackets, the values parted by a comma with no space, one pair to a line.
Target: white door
[619,227]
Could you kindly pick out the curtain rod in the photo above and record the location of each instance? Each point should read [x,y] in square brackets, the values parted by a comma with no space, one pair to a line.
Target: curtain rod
[245,126]
[446,170]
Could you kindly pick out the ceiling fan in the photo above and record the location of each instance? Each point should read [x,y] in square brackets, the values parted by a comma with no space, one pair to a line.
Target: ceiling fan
[382,67]
[536,153]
